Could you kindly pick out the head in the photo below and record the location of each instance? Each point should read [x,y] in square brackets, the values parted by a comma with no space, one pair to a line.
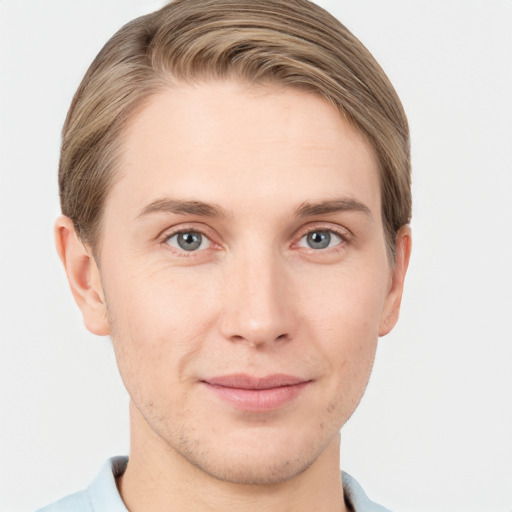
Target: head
[235,184]
[288,44]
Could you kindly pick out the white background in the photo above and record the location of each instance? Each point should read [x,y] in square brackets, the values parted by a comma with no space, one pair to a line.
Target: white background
[434,431]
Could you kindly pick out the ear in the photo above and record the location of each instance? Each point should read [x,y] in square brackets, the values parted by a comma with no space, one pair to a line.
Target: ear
[391,308]
[83,276]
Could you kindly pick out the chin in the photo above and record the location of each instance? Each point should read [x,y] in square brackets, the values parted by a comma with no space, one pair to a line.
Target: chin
[258,460]
[244,471]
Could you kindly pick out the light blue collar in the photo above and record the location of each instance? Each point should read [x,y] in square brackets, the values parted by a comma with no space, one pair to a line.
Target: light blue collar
[102,495]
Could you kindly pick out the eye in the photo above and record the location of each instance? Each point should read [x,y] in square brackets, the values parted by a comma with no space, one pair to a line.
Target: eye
[189,241]
[320,239]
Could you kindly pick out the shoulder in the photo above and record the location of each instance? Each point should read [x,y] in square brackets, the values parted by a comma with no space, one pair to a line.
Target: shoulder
[101,496]
[357,498]
[77,502]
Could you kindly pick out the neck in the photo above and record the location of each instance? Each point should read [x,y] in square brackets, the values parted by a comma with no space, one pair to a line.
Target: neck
[159,479]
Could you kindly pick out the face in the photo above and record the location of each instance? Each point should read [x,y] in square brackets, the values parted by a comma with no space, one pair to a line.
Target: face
[244,272]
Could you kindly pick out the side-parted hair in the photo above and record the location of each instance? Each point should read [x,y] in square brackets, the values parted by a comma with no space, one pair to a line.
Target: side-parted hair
[290,43]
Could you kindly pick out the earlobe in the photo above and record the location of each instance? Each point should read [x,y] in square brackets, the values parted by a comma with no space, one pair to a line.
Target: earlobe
[391,308]
[83,276]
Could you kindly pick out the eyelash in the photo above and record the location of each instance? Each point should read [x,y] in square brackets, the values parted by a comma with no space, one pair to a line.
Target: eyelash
[190,229]
[344,235]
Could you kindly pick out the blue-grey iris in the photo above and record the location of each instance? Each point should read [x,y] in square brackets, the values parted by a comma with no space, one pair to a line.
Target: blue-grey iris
[319,239]
[189,240]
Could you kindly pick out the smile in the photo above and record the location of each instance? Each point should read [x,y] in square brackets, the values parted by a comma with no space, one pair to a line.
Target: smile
[255,394]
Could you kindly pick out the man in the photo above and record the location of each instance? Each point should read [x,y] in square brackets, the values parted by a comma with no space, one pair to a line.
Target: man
[235,188]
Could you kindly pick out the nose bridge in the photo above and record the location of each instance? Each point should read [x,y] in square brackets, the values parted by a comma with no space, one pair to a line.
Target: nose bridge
[256,307]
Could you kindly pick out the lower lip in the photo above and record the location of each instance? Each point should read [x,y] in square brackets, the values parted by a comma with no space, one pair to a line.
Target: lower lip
[258,400]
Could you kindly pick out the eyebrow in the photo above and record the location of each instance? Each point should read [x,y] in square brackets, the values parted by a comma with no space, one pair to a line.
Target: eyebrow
[176,206]
[345,204]
[306,209]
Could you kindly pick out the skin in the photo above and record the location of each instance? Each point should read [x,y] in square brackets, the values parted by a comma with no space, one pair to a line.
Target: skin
[255,298]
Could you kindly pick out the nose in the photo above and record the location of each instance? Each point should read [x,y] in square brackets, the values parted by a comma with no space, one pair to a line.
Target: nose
[258,306]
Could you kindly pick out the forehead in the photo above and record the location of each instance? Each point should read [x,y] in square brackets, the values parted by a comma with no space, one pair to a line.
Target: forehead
[262,142]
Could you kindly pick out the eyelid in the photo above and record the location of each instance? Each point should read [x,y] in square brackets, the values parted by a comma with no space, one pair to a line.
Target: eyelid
[342,232]
[204,241]
[184,228]
[333,237]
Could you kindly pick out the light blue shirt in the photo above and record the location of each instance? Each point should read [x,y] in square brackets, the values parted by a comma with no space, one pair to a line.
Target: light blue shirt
[102,495]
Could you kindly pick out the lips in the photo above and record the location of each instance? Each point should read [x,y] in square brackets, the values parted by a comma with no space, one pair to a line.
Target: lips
[256,394]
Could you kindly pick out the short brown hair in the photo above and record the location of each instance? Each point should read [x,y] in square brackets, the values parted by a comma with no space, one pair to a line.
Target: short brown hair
[291,43]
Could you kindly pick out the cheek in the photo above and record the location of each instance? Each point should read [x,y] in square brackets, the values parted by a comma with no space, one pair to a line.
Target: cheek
[344,314]
[158,322]
[347,302]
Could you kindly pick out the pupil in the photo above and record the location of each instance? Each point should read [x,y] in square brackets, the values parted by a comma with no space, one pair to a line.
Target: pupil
[189,241]
[319,239]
